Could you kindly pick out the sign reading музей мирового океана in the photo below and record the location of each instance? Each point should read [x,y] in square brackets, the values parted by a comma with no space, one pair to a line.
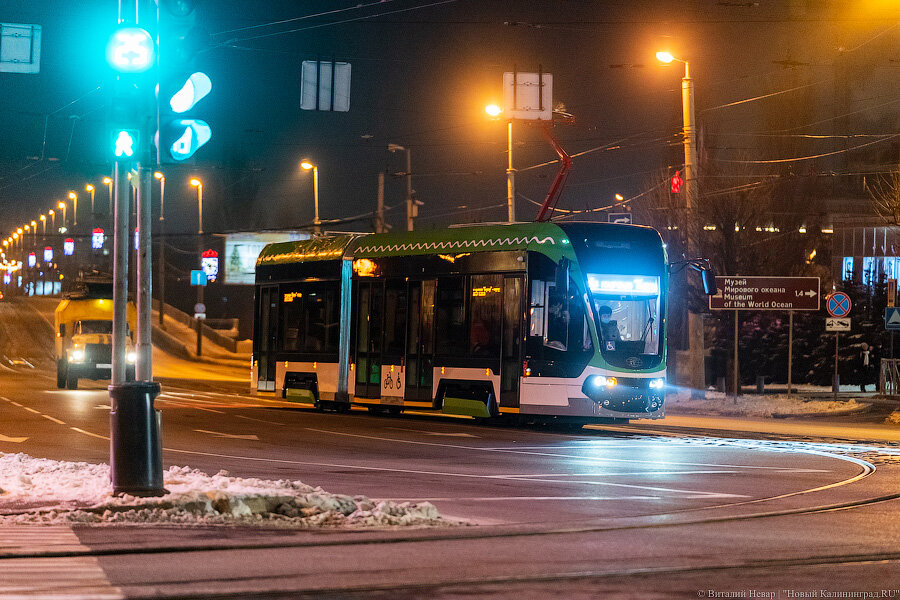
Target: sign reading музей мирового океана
[766,293]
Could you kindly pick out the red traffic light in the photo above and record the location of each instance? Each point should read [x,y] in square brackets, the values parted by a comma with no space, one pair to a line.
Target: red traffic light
[677,182]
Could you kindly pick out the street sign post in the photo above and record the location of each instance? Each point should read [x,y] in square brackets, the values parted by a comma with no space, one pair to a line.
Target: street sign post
[892,318]
[198,277]
[766,293]
[838,305]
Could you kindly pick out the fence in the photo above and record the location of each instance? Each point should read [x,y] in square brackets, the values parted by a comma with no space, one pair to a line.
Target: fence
[889,378]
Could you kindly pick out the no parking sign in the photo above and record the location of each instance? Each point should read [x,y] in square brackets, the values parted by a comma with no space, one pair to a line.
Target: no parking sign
[838,304]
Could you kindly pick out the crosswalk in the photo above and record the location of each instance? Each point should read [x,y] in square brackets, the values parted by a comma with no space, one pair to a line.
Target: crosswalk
[28,577]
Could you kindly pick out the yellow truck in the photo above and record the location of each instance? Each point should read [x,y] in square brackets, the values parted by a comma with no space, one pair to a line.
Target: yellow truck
[83,324]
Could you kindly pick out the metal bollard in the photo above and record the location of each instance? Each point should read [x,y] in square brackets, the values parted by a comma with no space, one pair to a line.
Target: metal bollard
[760,384]
[135,446]
[720,384]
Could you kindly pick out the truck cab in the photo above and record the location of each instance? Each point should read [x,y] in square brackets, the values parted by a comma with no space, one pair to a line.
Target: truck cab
[83,325]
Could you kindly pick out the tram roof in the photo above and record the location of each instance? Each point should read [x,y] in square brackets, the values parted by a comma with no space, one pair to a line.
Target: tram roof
[547,238]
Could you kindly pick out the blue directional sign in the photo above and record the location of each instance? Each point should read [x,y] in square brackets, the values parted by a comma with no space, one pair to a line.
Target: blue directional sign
[892,318]
[838,304]
[198,277]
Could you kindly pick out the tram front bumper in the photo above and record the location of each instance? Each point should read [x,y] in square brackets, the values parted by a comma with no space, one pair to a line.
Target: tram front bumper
[625,395]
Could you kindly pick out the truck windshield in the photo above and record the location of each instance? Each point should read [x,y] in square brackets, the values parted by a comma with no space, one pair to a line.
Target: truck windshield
[627,311]
[93,326]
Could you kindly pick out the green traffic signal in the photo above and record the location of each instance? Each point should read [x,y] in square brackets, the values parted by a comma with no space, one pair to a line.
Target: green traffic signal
[125,143]
[131,50]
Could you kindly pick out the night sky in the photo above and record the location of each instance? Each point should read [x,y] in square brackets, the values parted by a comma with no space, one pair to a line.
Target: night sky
[422,74]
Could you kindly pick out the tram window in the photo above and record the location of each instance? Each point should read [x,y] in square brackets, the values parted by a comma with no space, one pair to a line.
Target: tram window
[536,308]
[394,318]
[451,316]
[292,332]
[484,331]
[315,310]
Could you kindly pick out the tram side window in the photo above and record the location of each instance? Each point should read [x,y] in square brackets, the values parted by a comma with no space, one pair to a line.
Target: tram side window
[451,316]
[484,332]
[291,310]
[556,313]
[394,318]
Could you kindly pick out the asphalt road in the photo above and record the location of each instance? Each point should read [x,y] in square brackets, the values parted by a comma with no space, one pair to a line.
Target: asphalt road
[642,511]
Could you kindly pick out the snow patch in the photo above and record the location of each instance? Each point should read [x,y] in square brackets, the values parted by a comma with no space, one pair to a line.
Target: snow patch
[754,405]
[80,492]
[893,418]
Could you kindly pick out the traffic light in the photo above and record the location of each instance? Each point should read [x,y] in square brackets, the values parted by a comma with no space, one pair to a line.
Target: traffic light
[131,53]
[676,183]
[181,85]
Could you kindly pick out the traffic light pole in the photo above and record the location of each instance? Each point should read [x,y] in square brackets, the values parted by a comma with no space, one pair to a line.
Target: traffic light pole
[144,366]
[122,211]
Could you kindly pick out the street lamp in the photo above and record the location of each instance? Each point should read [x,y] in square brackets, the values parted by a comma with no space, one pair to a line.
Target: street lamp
[44,225]
[62,206]
[74,198]
[199,185]
[694,322]
[90,188]
[495,111]
[52,214]
[306,165]
[108,181]
[690,131]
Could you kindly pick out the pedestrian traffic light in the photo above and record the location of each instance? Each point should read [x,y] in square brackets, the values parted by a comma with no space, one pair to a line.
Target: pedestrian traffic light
[676,183]
[125,143]
[181,85]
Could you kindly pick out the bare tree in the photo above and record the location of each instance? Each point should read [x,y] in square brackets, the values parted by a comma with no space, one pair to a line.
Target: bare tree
[885,194]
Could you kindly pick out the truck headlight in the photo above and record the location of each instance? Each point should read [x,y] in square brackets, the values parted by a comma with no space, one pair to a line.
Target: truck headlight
[76,356]
[657,384]
[131,357]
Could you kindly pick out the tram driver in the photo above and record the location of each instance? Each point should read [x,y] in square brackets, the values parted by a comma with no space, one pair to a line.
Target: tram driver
[609,329]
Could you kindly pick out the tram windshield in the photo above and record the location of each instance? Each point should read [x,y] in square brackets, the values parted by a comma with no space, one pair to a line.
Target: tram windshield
[627,309]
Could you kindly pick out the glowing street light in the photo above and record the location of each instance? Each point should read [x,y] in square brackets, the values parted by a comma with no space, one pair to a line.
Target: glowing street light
[199,185]
[74,198]
[493,110]
[108,181]
[664,57]
[62,206]
[306,165]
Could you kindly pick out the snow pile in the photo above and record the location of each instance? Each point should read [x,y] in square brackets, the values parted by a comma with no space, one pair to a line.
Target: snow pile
[79,492]
[893,418]
[754,405]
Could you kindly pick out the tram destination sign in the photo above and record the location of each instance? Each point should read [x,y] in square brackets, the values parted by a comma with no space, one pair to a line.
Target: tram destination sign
[766,293]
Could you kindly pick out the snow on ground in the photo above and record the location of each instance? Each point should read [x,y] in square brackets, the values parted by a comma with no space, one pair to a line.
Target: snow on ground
[80,492]
[754,405]
[893,418]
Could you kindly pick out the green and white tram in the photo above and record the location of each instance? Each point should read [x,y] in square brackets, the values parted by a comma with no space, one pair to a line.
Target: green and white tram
[534,319]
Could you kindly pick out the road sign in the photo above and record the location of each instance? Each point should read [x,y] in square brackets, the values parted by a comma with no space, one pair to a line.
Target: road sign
[199,308]
[838,324]
[892,292]
[892,318]
[766,293]
[622,218]
[198,277]
[838,304]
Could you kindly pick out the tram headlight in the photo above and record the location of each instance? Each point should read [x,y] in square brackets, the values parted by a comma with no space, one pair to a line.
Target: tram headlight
[599,381]
[657,384]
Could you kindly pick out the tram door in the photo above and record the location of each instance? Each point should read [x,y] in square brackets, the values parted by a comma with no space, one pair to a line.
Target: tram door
[420,342]
[511,348]
[267,336]
[369,315]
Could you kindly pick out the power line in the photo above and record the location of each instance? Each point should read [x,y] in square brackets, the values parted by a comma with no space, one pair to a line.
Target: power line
[311,16]
[802,158]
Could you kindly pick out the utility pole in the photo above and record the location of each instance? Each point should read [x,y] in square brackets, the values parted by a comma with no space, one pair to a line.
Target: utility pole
[510,175]
[379,210]
[144,363]
[411,208]
[161,277]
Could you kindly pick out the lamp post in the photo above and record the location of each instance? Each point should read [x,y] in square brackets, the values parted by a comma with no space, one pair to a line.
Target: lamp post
[52,214]
[695,323]
[62,206]
[109,183]
[162,247]
[306,165]
[199,185]
[74,198]
[494,111]
[44,226]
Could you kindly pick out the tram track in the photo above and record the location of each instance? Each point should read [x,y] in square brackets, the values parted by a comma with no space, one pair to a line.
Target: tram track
[658,521]
[261,586]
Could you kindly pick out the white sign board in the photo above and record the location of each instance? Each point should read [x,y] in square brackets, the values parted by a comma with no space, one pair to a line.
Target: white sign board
[316,83]
[832,324]
[392,381]
[242,250]
[528,96]
[20,48]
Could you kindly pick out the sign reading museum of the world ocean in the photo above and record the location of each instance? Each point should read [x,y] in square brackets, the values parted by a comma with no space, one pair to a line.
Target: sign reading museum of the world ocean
[766,293]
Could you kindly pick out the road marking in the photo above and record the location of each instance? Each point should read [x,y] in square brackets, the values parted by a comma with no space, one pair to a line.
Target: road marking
[72,577]
[102,437]
[28,408]
[438,433]
[657,462]
[14,440]
[261,421]
[522,498]
[228,435]
[55,420]
[103,407]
